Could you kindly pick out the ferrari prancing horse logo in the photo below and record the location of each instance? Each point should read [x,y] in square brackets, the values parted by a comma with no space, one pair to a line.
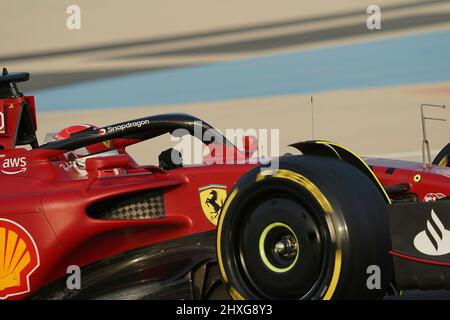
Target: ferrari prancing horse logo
[212,198]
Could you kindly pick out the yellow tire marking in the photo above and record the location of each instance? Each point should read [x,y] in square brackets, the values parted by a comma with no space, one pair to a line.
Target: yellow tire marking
[234,294]
[335,278]
[219,233]
[306,183]
[364,163]
[444,161]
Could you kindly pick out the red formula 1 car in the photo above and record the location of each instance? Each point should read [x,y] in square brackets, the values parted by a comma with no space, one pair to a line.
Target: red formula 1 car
[322,225]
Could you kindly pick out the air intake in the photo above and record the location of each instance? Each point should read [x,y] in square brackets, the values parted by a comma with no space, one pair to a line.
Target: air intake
[137,206]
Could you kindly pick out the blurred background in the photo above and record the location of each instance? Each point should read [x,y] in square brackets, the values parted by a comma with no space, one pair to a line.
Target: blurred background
[239,64]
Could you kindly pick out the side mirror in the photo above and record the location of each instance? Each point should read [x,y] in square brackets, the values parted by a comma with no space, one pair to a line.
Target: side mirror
[250,145]
[94,165]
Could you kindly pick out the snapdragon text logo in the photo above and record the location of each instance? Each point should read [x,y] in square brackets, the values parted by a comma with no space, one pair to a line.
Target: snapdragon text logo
[128,125]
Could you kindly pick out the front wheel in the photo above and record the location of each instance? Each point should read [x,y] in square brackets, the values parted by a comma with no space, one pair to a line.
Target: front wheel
[316,228]
[443,157]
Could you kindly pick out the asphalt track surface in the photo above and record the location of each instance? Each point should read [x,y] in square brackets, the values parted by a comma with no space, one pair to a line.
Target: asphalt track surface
[122,51]
[289,40]
[324,34]
[402,60]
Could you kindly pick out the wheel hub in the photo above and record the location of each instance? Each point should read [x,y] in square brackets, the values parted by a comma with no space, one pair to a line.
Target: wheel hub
[287,247]
[278,247]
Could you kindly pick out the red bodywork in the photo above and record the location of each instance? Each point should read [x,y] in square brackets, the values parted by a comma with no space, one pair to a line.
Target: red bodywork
[48,199]
[424,183]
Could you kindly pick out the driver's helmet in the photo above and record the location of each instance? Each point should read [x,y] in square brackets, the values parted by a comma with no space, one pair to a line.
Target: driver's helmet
[79,156]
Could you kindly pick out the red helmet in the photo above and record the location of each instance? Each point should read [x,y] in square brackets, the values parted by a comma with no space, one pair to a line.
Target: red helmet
[86,151]
[80,155]
[67,132]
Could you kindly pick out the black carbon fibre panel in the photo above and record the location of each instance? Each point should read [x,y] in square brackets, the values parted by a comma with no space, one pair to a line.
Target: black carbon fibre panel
[149,205]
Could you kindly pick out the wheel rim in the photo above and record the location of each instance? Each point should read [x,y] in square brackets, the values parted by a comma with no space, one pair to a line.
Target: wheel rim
[286,249]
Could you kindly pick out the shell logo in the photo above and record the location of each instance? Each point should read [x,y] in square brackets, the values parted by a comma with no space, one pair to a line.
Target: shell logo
[19,258]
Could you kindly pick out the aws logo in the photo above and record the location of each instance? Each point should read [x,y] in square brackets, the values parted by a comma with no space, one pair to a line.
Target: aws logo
[19,258]
[14,165]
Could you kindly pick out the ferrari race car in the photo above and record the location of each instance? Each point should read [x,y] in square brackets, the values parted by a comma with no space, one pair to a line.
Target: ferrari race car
[325,224]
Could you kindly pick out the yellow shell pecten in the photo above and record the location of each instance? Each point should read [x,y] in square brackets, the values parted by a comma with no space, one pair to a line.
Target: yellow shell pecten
[14,257]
